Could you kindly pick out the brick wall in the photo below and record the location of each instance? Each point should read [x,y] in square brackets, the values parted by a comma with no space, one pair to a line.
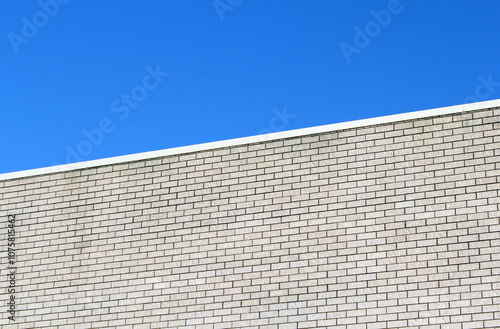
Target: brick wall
[387,226]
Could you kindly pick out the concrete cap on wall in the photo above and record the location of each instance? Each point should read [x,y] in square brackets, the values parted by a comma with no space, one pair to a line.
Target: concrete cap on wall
[255,139]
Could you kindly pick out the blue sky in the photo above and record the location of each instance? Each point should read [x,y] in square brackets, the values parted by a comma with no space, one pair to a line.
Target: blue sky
[84,80]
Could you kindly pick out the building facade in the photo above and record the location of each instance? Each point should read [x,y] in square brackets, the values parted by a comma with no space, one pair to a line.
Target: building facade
[390,222]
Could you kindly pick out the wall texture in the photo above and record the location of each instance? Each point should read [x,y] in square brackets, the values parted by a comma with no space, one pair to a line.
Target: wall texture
[388,226]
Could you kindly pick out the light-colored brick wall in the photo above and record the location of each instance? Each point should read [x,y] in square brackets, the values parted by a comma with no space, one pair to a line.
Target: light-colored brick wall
[386,226]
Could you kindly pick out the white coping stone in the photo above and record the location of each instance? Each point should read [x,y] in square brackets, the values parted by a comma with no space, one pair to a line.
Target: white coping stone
[255,139]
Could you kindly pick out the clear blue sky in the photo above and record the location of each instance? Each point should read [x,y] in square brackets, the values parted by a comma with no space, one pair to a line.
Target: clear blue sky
[84,80]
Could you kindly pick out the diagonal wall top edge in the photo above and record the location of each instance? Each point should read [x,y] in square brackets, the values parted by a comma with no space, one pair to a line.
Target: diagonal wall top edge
[255,139]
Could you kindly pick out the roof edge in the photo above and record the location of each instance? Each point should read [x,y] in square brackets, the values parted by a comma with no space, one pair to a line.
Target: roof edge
[254,139]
